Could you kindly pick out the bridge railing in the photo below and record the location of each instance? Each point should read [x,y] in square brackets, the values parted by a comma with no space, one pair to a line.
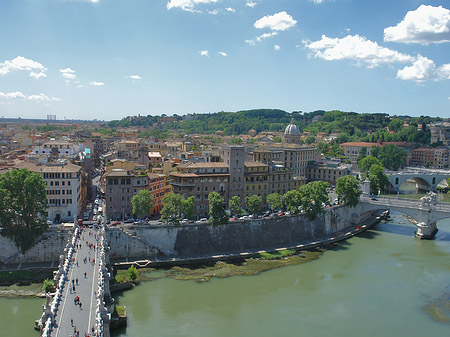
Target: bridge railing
[101,313]
[61,276]
[409,203]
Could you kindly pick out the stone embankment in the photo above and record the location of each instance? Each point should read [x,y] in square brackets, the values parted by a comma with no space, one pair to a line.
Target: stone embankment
[133,243]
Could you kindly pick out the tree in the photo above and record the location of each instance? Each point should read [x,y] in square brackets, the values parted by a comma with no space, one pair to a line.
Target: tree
[274,200]
[47,285]
[235,205]
[310,139]
[378,180]
[323,147]
[142,203]
[313,196]
[277,139]
[188,208]
[172,208]
[253,204]
[293,201]
[392,157]
[132,273]
[217,214]
[362,154]
[23,207]
[365,164]
[395,125]
[347,189]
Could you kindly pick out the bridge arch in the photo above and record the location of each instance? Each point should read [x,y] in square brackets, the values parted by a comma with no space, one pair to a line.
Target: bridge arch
[427,181]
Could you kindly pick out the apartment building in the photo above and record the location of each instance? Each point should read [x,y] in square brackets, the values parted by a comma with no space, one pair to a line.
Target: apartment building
[256,179]
[328,171]
[120,186]
[157,185]
[200,179]
[65,187]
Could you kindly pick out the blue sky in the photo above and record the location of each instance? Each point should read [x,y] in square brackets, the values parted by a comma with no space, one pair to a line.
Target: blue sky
[106,59]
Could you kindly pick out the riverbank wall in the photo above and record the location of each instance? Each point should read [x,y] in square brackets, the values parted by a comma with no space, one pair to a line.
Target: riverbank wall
[155,242]
[47,249]
[131,243]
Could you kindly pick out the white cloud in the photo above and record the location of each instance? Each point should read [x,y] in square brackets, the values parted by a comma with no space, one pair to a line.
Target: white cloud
[230,9]
[68,73]
[222,53]
[260,38]
[35,69]
[20,96]
[356,48]
[187,5]
[423,69]
[425,25]
[250,3]
[276,47]
[135,77]
[444,71]
[278,21]
[96,84]
[204,53]
[317,1]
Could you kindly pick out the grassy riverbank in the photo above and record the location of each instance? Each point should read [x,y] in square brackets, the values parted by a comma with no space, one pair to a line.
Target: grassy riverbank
[22,283]
[202,273]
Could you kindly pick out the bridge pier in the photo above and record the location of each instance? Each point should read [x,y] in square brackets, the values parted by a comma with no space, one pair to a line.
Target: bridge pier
[426,230]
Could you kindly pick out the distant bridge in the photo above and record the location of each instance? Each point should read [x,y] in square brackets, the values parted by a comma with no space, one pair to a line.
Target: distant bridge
[427,179]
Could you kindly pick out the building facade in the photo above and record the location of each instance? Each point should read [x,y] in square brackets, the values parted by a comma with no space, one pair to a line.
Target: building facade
[65,188]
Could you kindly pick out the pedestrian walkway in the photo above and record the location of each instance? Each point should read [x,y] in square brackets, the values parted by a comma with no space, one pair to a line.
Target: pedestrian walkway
[76,315]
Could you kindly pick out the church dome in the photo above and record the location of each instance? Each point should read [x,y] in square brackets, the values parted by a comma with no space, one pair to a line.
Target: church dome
[292,129]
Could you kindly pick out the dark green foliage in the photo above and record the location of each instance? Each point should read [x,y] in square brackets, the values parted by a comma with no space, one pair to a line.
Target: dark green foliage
[365,164]
[253,204]
[392,157]
[172,208]
[275,201]
[47,285]
[23,207]
[293,201]
[188,207]
[395,125]
[313,196]
[235,205]
[142,203]
[132,273]
[378,180]
[347,189]
[217,214]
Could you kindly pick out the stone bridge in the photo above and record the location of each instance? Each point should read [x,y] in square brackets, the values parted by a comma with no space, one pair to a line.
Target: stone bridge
[425,213]
[427,179]
[82,301]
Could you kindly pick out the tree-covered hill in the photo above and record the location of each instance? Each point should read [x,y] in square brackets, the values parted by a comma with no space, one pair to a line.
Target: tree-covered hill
[351,125]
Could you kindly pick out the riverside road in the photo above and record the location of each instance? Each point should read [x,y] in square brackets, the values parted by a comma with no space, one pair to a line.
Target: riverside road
[74,319]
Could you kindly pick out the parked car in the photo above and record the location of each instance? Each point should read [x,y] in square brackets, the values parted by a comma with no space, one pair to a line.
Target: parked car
[280,213]
[129,220]
[94,218]
[184,222]
[115,223]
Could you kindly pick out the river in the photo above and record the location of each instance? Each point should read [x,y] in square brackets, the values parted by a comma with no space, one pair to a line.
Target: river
[375,284]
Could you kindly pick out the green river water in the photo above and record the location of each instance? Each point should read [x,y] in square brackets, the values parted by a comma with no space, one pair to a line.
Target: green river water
[375,284]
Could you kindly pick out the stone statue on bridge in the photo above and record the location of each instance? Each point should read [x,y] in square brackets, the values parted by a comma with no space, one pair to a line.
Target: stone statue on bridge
[428,199]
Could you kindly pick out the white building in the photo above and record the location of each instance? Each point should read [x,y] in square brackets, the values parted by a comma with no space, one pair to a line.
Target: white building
[64,186]
[64,148]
